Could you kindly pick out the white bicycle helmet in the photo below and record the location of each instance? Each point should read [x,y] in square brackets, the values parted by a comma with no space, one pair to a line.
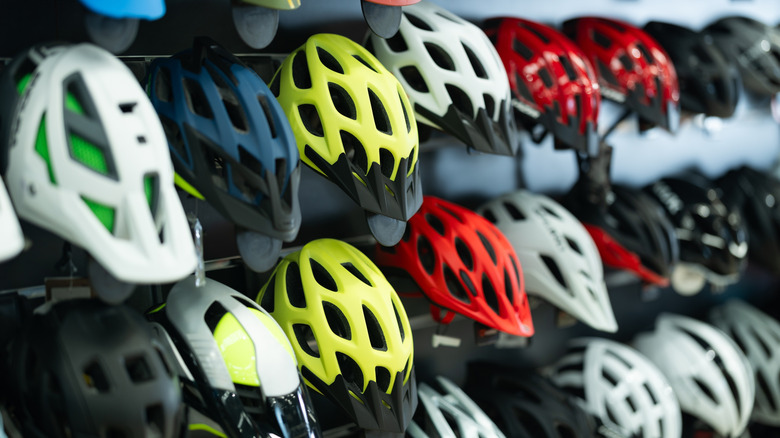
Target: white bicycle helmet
[87,159]
[560,261]
[621,387]
[452,414]
[453,76]
[758,336]
[237,365]
[12,238]
[711,377]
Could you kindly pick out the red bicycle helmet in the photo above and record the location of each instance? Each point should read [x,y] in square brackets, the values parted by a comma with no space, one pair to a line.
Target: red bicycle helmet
[632,68]
[462,263]
[552,81]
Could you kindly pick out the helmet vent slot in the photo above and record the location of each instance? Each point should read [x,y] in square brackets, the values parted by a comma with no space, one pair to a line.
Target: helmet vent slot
[329,61]
[488,247]
[381,119]
[550,211]
[152,192]
[398,320]
[454,286]
[610,415]
[300,71]
[354,151]
[417,22]
[250,162]
[650,393]
[435,223]
[460,100]
[375,333]
[764,347]
[440,57]
[350,370]
[267,301]
[449,17]
[311,119]
[322,276]
[489,292]
[413,77]
[175,140]
[764,392]
[479,69]
[467,282]
[138,369]
[361,60]
[705,389]
[95,377]
[490,104]
[214,315]
[567,67]
[555,271]
[336,320]
[601,39]
[127,107]
[396,43]
[164,361]
[263,101]
[545,76]
[573,245]
[196,99]
[382,378]
[342,101]
[522,50]
[626,62]
[646,53]
[406,114]
[529,421]
[488,214]
[425,254]
[155,419]
[464,254]
[508,289]
[295,292]
[356,273]
[513,211]
[306,340]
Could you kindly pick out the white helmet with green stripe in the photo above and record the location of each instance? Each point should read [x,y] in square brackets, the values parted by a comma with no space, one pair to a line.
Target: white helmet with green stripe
[84,156]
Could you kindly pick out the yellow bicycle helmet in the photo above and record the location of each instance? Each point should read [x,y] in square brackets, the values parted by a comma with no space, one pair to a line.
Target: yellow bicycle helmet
[353,124]
[349,331]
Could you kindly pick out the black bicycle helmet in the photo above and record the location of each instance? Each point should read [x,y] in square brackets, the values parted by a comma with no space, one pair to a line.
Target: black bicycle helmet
[757,196]
[86,369]
[712,237]
[708,81]
[754,47]
[524,404]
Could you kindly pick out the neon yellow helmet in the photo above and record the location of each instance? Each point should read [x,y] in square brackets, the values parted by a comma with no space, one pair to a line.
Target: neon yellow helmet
[349,331]
[353,123]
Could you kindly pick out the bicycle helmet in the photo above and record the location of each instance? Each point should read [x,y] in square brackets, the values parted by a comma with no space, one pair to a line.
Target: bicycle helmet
[463,264]
[708,81]
[754,47]
[619,386]
[353,123]
[349,331]
[451,414]
[230,143]
[12,238]
[757,196]
[453,76]
[710,376]
[758,336]
[84,157]
[632,68]
[526,405]
[83,368]
[633,233]
[560,261]
[711,237]
[145,9]
[237,366]
[552,81]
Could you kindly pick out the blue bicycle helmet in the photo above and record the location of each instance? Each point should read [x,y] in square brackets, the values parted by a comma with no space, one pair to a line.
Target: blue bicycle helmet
[230,142]
[146,9]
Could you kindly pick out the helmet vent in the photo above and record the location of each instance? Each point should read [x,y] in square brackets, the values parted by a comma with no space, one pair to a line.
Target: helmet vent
[329,61]
[294,288]
[530,423]
[382,378]
[375,333]
[214,315]
[646,53]
[336,320]
[488,214]
[508,289]
[164,361]
[396,43]
[356,273]
[467,282]
[488,247]
[306,340]
[425,254]
[440,56]
[152,192]
[267,301]
[704,388]
[322,276]
[447,210]
[138,369]
[550,211]
[355,152]
[155,419]
[490,104]
[398,320]
[565,431]
[413,77]
[464,254]
[567,67]
[545,76]
[649,392]
[764,392]
[263,101]
[573,245]
[513,211]
[522,50]
[406,115]
[350,370]
[196,99]
[611,415]
[95,377]
[554,270]
[365,63]
[517,269]
[764,347]
[250,162]
[311,119]
[342,101]
[435,223]
[417,22]
[601,39]
[460,99]
[127,107]
[300,71]
[381,119]
[479,69]
[454,286]
[626,62]
[175,140]
[489,292]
